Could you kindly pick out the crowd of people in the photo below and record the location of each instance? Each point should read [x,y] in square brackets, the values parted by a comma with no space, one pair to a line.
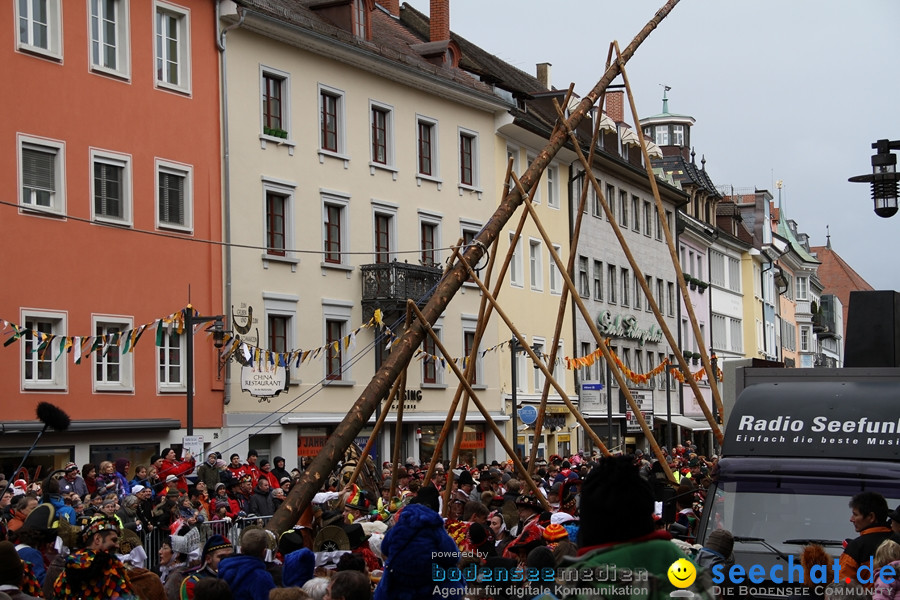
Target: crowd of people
[82,532]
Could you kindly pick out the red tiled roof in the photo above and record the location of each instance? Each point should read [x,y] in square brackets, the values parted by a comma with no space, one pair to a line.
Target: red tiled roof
[838,277]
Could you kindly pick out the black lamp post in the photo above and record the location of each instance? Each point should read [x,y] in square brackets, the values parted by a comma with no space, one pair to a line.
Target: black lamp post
[884,178]
[218,341]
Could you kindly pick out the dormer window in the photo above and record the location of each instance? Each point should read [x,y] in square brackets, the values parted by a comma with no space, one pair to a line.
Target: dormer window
[359,18]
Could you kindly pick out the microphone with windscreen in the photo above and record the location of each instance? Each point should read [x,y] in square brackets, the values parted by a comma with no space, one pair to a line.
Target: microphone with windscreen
[52,417]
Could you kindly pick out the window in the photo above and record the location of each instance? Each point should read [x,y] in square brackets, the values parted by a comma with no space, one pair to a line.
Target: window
[598,280]
[734,274]
[331,120]
[669,221]
[468,158]
[170,361]
[716,268]
[426,144]
[647,218]
[515,265]
[556,278]
[635,213]
[658,227]
[538,347]
[432,373]
[626,285]
[173,44]
[802,288]
[469,231]
[276,208]
[334,334]
[40,369]
[382,121]
[336,315]
[536,264]
[583,287]
[662,135]
[552,174]
[42,174]
[384,236]
[39,27]
[719,331]
[512,153]
[275,90]
[594,199]
[174,195]
[649,280]
[109,36]
[278,198]
[469,325]
[585,371]
[279,328]
[280,315]
[737,342]
[678,135]
[611,199]
[637,292]
[111,187]
[612,282]
[670,298]
[805,339]
[359,18]
[639,363]
[112,367]
[334,231]
[529,159]
[660,299]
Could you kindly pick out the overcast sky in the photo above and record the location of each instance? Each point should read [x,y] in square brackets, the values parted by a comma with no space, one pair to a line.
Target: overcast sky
[791,90]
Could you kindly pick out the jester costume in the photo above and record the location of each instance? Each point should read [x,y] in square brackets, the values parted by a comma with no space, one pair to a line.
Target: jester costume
[91,575]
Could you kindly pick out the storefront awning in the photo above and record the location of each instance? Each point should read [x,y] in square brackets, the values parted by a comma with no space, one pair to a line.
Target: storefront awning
[408,417]
[686,422]
[92,425]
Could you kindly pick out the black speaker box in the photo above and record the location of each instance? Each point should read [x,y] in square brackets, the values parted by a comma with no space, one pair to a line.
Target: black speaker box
[873,330]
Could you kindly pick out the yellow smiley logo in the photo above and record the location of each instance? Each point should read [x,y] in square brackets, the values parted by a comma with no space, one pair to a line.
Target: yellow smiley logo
[682,573]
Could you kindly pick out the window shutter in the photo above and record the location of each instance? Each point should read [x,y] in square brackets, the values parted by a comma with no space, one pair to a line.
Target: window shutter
[38,169]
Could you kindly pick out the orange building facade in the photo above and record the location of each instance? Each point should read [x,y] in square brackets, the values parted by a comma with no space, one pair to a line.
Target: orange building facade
[110,155]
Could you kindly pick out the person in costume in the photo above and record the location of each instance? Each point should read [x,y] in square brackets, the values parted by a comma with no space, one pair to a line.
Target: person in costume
[215,549]
[94,571]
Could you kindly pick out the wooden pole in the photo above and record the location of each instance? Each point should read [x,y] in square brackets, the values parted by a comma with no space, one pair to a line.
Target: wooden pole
[313,478]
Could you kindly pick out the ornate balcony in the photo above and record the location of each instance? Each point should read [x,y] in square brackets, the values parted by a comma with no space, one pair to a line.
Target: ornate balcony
[388,285]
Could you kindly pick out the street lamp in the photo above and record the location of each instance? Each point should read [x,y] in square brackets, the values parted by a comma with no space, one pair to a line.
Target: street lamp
[884,178]
[218,330]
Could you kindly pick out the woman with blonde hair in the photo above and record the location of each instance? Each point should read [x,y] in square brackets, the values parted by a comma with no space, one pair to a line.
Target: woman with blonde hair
[887,554]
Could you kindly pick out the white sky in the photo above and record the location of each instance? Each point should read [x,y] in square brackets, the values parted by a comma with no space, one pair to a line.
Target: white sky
[795,90]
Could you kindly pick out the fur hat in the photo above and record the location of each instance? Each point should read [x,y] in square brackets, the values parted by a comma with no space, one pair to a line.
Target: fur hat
[721,541]
[11,569]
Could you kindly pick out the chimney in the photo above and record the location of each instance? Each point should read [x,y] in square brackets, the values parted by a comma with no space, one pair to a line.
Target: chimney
[392,6]
[615,105]
[440,20]
[543,74]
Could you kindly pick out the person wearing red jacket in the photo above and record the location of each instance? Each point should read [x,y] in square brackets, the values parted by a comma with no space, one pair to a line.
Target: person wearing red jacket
[252,467]
[265,472]
[236,468]
[178,468]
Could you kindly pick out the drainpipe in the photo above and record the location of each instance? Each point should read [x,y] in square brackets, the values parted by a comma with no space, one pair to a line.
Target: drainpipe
[226,177]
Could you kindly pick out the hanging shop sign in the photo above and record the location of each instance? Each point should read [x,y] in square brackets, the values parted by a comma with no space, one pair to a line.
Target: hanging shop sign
[626,326]
[264,383]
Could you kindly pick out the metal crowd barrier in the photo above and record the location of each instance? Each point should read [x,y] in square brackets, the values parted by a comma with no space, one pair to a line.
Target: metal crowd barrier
[232,530]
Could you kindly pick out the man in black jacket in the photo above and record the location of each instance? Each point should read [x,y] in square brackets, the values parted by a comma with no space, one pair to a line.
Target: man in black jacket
[261,502]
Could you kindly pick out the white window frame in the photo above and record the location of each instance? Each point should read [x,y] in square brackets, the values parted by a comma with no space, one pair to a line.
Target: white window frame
[166,387]
[530,158]
[597,275]
[678,135]
[802,286]
[339,200]
[473,227]
[58,150]
[556,278]
[522,365]
[475,186]
[54,49]
[559,369]
[122,161]
[435,220]
[470,325]
[662,135]
[282,305]
[58,380]
[516,276]
[122,42]
[342,124]
[536,264]
[126,360]
[285,78]
[287,189]
[806,338]
[338,310]
[552,173]
[390,156]
[435,175]
[625,282]
[180,170]
[385,209]
[183,16]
